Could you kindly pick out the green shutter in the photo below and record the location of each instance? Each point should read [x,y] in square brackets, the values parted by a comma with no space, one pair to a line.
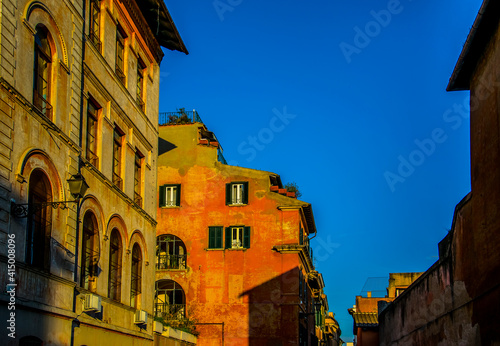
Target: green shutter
[218,237]
[162,195]
[301,236]
[228,237]
[178,196]
[228,194]
[246,237]
[245,192]
[211,237]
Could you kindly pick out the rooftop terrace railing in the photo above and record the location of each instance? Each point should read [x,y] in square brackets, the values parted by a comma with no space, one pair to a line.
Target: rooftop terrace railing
[180,117]
[183,116]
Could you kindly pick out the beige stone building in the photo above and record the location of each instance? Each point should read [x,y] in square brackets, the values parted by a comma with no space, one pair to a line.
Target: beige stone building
[79,91]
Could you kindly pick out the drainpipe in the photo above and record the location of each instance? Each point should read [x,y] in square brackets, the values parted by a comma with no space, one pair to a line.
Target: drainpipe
[75,323]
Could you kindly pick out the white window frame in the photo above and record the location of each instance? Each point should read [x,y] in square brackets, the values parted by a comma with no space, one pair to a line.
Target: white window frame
[237,193]
[171,196]
[237,237]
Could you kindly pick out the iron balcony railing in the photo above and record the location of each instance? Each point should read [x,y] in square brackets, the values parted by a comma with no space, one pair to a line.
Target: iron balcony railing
[170,311]
[168,262]
[179,117]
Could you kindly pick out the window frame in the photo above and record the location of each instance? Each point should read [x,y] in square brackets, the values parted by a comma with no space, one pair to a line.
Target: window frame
[118,136]
[231,199]
[177,310]
[163,201]
[230,240]
[138,175]
[115,267]
[140,97]
[89,256]
[171,253]
[92,146]
[136,276]
[39,225]
[95,24]
[121,37]
[42,70]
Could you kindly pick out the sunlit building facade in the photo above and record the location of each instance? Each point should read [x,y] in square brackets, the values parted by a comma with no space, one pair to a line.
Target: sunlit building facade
[233,252]
[79,91]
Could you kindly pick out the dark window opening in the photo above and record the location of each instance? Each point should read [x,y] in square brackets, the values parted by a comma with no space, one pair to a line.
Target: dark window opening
[170,300]
[39,221]
[170,252]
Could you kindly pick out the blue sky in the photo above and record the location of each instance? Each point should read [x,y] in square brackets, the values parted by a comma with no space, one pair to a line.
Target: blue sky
[348,100]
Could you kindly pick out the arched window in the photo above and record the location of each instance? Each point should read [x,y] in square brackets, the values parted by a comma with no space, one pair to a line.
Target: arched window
[170,300]
[43,60]
[136,277]
[115,266]
[170,252]
[90,252]
[39,220]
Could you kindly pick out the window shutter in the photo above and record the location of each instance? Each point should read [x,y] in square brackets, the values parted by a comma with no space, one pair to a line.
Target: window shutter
[162,195]
[228,238]
[218,237]
[245,192]
[301,236]
[178,195]
[211,237]
[228,194]
[246,237]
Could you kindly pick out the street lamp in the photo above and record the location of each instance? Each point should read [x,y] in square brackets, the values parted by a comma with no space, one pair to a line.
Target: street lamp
[77,187]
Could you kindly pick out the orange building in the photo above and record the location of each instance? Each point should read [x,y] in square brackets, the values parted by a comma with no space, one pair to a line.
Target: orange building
[233,248]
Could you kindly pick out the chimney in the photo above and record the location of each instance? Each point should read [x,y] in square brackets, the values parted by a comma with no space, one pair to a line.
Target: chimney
[369,294]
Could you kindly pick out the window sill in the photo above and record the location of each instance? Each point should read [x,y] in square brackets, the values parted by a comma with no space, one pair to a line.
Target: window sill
[237,205]
[221,249]
[170,206]
[237,249]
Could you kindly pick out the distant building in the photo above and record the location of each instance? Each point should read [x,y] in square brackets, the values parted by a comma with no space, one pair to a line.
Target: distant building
[79,91]
[233,252]
[332,331]
[366,310]
[456,301]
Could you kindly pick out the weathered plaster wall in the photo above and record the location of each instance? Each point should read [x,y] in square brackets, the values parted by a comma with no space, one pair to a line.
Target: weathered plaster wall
[253,291]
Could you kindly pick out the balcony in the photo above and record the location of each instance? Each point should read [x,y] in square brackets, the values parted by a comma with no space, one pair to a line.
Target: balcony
[42,104]
[180,117]
[170,262]
[170,312]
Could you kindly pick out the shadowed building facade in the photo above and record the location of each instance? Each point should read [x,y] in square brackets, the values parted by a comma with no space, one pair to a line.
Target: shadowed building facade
[79,91]
[457,300]
[233,249]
